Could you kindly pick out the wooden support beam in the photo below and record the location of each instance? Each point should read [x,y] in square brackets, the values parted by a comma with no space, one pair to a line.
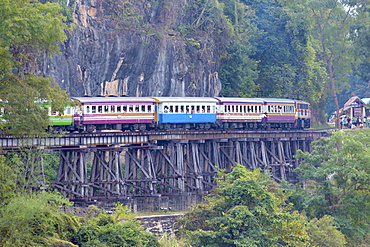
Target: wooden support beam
[187,166]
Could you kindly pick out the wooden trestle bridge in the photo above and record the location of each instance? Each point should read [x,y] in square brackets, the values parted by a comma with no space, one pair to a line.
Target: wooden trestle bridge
[171,163]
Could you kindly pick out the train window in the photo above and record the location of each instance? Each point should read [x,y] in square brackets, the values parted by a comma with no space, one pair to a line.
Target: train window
[181,108]
[137,108]
[143,108]
[93,109]
[106,108]
[100,109]
[130,108]
[171,108]
[87,109]
[124,108]
[198,108]
[149,108]
[112,108]
[118,108]
[192,109]
[204,109]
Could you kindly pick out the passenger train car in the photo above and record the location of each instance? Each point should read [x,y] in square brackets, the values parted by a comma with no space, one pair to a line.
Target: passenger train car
[185,112]
[182,113]
[118,113]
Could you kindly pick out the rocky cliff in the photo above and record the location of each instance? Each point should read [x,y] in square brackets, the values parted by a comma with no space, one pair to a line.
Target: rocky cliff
[140,48]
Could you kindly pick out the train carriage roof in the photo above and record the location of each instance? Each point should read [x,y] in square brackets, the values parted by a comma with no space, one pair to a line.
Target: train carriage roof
[239,100]
[301,101]
[85,100]
[185,99]
[277,100]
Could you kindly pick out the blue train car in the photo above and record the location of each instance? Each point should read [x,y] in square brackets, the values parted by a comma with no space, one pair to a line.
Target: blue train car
[185,110]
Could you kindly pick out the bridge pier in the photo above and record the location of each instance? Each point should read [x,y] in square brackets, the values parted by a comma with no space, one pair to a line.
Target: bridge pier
[174,167]
[190,166]
[72,174]
[174,163]
[104,178]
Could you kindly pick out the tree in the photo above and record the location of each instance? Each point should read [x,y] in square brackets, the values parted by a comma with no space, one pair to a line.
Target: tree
[324,234]
[36,220]
[117,229]
[285,54]
[360,37]
[337,172]
[29,29]
[239,71]
[332,21]
[7,182]
[248,209]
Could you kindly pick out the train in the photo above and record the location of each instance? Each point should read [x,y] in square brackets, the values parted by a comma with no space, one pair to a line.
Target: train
[181,113]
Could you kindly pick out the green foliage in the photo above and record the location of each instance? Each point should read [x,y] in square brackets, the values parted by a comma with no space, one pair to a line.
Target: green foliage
[239,71]
[35,220]
[66,10]
[324,234]
[29,29]
[126,11]
[248,209]
[117,229]
[338,176]
[27,169]
[51,164]
[7,182]
[173,241]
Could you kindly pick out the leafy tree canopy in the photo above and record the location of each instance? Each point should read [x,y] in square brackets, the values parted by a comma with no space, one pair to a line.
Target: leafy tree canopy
[323,233]
[36,220]
[28,30]
[338,177]
[117,229]
[248,209]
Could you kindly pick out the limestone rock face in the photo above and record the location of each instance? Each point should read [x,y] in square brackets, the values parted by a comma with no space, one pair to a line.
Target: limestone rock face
[136,49]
